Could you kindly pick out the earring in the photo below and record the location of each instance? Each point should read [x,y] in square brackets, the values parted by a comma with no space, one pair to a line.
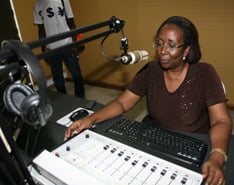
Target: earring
[184,57]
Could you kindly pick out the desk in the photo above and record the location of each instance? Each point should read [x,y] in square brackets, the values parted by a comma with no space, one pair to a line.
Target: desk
[52,134]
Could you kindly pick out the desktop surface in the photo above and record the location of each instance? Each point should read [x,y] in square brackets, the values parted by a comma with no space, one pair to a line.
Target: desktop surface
[52,134]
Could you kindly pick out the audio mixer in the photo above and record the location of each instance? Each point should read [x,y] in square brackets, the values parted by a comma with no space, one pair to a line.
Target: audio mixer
[91,158]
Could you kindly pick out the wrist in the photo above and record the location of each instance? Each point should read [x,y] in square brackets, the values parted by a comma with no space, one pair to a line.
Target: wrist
[90,121]
[219,153]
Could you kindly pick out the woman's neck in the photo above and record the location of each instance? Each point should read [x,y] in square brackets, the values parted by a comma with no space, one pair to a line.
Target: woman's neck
[174,78]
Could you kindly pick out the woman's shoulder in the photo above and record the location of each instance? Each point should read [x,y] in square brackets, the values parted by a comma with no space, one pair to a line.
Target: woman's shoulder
[203,66]
[207,70]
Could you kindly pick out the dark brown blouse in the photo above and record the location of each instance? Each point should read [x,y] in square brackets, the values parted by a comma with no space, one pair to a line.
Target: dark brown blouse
[186,109]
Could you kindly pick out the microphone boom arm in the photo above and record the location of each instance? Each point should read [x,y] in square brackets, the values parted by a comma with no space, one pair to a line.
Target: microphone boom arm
[74,43]
[115,25]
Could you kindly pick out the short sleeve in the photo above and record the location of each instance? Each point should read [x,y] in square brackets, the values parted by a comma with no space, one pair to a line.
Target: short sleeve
[68,9]
[138,84]
[214,88]
[36,15]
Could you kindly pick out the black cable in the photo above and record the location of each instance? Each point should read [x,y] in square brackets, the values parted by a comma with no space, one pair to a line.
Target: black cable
[38,131]
[27,143]
[30,151]
[102,50]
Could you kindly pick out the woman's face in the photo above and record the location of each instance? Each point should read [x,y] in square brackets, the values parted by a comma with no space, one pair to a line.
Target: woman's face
[170,47]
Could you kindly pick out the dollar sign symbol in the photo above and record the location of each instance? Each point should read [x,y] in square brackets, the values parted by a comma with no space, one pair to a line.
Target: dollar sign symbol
[50,12]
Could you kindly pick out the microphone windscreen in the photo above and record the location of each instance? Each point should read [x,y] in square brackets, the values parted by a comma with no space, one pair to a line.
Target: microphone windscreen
[138,56]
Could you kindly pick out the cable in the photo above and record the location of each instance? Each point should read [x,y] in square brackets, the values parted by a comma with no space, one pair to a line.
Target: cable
[102,50]
[35,141]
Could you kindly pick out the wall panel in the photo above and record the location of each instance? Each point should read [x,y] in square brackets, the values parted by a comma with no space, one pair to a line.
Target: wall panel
[214,20]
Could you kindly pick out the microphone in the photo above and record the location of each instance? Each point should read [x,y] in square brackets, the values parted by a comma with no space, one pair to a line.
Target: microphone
[133,57]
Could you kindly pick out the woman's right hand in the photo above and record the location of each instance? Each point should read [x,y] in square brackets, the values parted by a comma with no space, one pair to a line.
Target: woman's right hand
[77,126]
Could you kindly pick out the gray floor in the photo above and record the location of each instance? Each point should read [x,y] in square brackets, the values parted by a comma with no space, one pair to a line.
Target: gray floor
[104,95]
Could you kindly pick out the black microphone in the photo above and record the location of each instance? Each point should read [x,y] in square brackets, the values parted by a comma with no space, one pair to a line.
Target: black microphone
[133,57]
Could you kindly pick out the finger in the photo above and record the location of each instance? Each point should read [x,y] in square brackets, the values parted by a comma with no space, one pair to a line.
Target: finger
[210,178]
[217,178]
[75,132]
[205,170]
[220,182]
[73,129]
[67,133]
[66,136]
[69,130]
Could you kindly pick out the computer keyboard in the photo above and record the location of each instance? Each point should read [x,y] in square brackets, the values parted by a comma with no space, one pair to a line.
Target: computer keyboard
[174,145]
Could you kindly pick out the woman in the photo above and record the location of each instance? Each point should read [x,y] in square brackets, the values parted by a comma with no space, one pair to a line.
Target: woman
[182,94]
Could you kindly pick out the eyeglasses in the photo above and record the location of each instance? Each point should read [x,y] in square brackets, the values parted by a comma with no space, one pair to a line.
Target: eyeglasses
[170,46]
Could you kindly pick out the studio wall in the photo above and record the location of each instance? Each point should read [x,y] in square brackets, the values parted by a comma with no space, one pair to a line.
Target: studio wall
[214,20]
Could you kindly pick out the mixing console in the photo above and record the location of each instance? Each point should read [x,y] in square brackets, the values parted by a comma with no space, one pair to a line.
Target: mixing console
[91,158]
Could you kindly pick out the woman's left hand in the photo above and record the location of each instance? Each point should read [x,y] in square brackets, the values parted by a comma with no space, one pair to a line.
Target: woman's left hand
[212,171]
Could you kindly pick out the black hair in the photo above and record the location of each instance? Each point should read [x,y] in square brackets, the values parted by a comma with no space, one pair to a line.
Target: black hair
[191,37]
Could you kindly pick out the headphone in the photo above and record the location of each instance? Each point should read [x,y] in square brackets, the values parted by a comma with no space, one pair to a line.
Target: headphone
[21,99]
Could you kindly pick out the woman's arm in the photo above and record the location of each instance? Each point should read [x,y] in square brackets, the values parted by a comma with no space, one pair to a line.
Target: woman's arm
[221,127]
[220,132]
[118,106]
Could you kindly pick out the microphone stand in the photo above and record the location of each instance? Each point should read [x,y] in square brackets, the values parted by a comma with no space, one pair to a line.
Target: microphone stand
[13,159]
[8,148]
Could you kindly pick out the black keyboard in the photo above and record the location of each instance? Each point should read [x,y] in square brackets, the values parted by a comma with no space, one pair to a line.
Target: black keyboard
[167,143]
